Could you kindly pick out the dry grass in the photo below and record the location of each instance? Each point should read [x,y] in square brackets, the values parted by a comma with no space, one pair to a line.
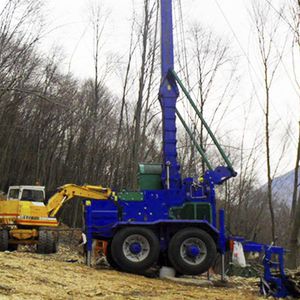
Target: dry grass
[26,275]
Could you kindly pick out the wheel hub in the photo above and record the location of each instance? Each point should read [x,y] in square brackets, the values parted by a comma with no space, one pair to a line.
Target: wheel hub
[135,248]
[193,251]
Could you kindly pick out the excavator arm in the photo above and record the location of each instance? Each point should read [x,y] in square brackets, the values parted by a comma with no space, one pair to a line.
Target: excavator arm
[69,191]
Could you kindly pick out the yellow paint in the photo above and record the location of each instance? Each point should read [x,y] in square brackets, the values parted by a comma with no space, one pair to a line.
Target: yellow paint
[23,234]
[69,191]
[35,214]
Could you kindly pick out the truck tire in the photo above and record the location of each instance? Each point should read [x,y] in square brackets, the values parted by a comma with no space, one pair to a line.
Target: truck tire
[135,249]
[110,259]
[192,251]
[54,246]
[3,240]
[12,247]
[45,242]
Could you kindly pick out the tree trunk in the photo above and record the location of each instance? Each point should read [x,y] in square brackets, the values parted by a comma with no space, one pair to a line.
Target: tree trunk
[294,243]
[138,111]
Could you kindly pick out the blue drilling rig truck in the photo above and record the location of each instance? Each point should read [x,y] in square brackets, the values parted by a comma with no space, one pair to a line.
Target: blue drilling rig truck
[172,220]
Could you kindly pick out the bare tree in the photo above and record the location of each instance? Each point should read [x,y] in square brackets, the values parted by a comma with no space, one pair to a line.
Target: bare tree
[146,67]
[267,27]
[294,239]
[294,242]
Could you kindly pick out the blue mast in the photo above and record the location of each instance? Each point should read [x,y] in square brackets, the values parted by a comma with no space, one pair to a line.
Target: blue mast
[168,95]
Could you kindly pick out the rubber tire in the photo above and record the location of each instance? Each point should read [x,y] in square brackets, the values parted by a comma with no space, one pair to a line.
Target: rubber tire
[45,242]
[3,240]
[174,251]
[124,263]
[12,247]
[110,259]
[54,246]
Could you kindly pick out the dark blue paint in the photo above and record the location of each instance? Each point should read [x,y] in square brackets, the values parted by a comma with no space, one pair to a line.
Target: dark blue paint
[193,251]
[222,235]
[168,94]
[135,248]
[271,267]
[273,262]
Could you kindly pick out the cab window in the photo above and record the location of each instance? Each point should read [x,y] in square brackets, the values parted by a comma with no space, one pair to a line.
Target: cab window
[13,194]
[32,195]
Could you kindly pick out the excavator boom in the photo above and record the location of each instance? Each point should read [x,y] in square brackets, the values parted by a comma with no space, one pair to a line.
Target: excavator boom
[69,191]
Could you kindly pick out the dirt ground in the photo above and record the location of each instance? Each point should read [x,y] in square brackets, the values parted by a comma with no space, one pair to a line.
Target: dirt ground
[26,275]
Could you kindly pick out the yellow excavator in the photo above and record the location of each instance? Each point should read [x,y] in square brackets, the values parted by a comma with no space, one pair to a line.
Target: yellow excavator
[30,222]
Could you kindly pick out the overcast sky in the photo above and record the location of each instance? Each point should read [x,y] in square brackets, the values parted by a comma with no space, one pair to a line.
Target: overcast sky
[70,18]
[69,24]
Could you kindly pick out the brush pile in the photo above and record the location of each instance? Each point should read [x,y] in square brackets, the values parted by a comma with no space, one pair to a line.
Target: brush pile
[293,282]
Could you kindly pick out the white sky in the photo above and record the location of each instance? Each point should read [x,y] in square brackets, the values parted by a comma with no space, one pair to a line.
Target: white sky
[71,31]
[70,18]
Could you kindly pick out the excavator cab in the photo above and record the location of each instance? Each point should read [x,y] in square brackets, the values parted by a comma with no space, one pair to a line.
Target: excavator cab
[26,193]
